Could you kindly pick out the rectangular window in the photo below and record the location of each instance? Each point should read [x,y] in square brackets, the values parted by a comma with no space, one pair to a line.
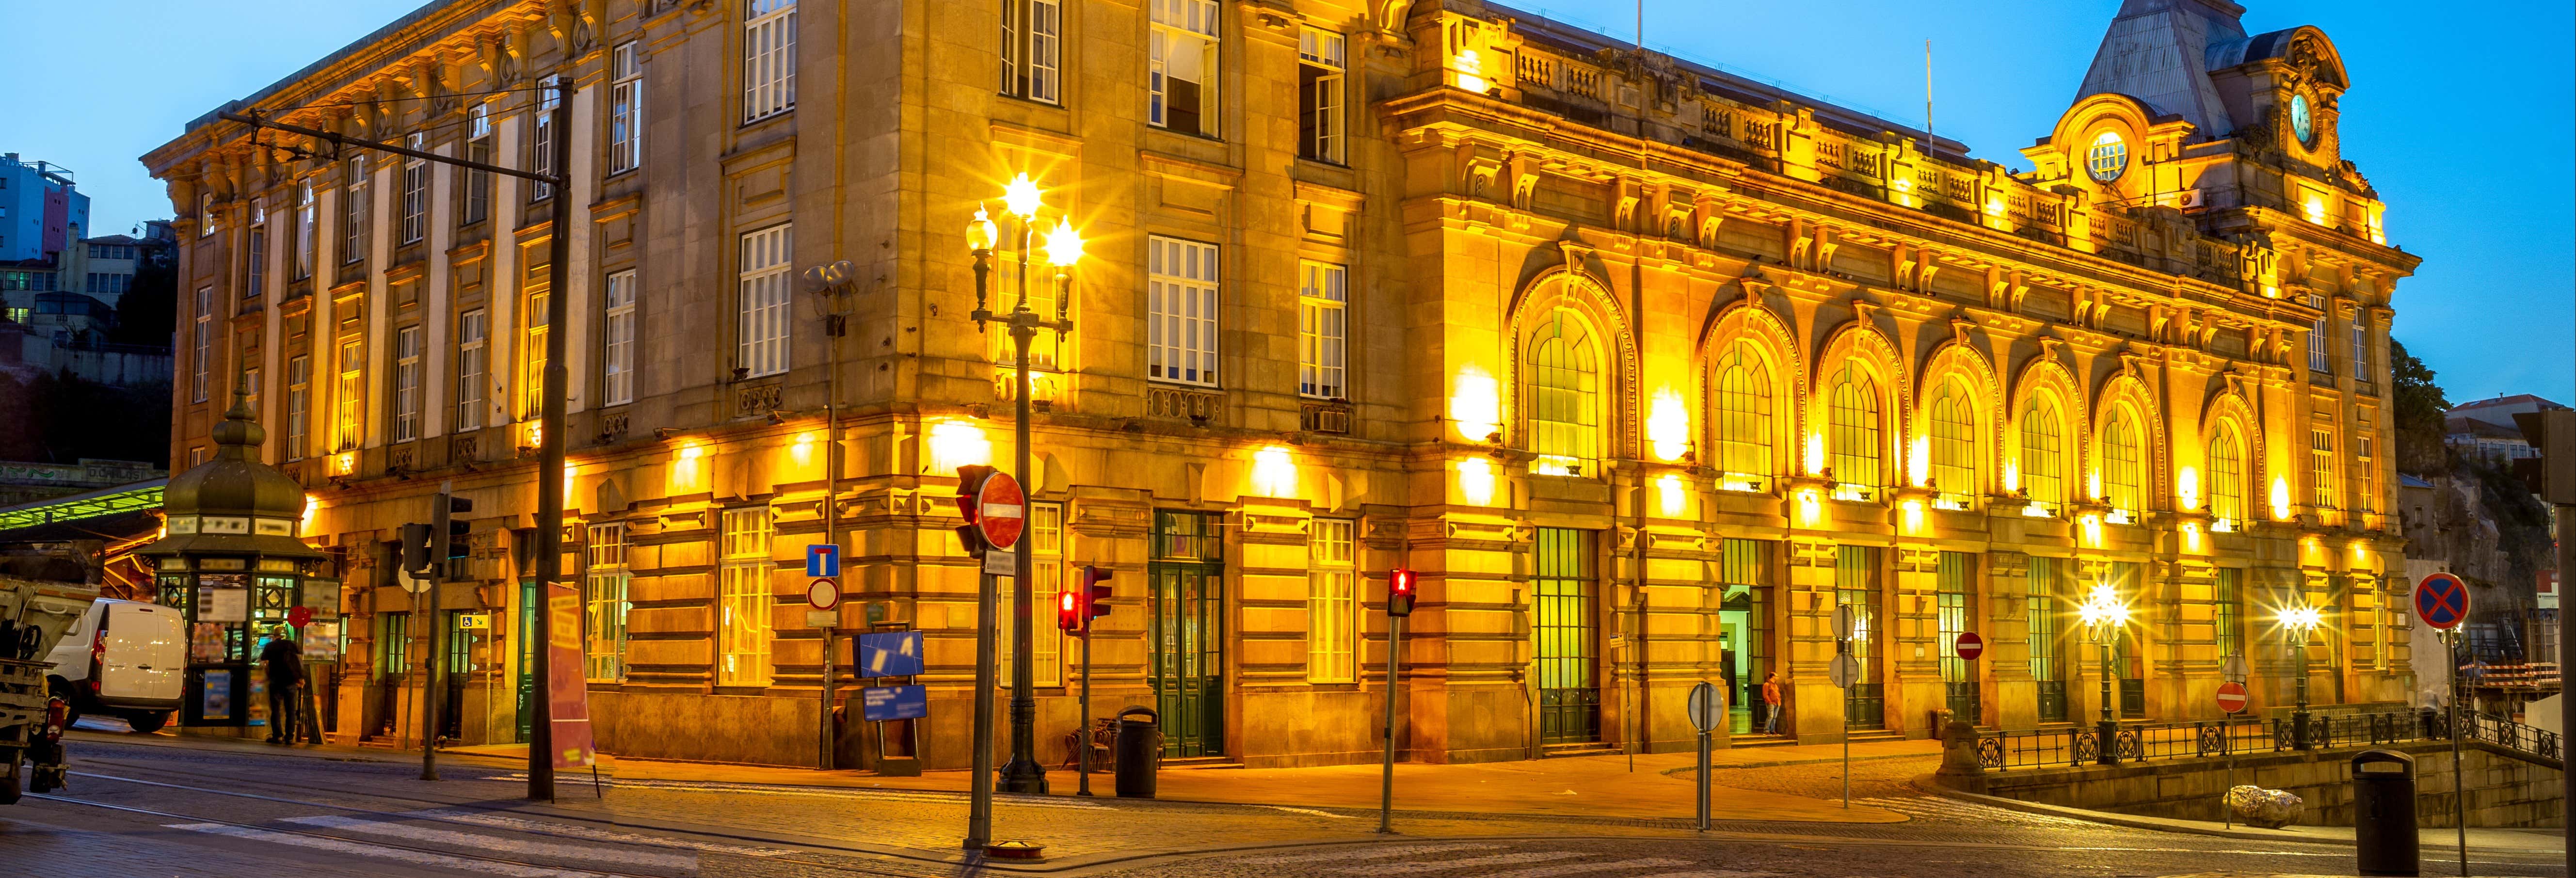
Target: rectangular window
[1332,601]
[478,184]
[2041,582]
[1321,330]
[393,645]
[2321,468]
[305,217]
[415,192]
[2366,477]
[532,381]
[255,261]
[348,398]
[1046,587]
[617,348]
[1319,95]
[1744,624]
[1858,585]
[743,602]
[353,210]
[2320,358]
[1180,309]
[407,384]
[541,139]
[1958,675]
[205,214]
[1032,48]
[299,396]
[762,327]
[1181,67]
[470,352]
[204,355]
[625,109]
[604,604]
[768,58]
[2383,627]
[2361,347]
[2228,596]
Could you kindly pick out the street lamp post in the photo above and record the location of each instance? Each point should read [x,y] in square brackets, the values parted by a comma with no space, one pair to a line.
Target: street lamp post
[2302,623]
[1023,774]
[2105,617]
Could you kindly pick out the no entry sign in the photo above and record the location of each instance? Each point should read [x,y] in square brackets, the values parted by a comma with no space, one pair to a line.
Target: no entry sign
[1970,645]
[1001,510]
[2442,601]
[2231,697]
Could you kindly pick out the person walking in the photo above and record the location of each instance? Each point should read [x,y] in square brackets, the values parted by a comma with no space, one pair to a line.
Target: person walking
[1771,703]
[283,663]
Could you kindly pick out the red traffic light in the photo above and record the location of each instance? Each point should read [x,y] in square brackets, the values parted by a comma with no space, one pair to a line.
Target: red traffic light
[1399,592]
[1091,601]
[1068,612]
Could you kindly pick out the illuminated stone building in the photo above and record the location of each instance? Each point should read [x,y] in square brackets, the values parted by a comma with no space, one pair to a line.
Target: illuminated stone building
[1646,368]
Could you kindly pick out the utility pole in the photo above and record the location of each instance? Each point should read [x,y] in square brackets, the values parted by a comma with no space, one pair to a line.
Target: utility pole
[831,284]
[550,424]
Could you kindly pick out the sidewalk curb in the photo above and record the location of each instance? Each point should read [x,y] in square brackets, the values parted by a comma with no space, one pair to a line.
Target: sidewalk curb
[2161,824]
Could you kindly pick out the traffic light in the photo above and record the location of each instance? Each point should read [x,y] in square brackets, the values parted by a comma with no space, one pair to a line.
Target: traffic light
[970,482]
[2552,475]
[416,539]
[1068,612]
[448,541]
[1399,592]
[1095,595]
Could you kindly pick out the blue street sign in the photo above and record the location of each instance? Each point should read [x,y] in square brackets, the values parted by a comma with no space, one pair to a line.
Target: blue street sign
[891,654]
[2442,601]
[822,559]
[881,703]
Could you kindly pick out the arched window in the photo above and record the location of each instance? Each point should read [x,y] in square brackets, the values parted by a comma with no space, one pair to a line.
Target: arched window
[2123,469]
[1954,440]
[1852,446]
[2227,474]
[2043,452]
[1565,395]
[1743,414]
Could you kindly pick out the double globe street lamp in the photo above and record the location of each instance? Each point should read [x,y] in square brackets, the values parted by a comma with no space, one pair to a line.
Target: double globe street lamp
[2105,618]
[2301,622]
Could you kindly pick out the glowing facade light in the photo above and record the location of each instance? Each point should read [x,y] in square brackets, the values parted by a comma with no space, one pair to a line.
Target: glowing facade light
[691,452]
[803,447]
[2280,498]
[2187,488]
[2315,209]
[1476,404]
[1669,491]
[1274,472]
[957,443]
[1021,197]
[2092,530]
[1476,480]
[1913,516]
[1918,459]
[2093,483]
[2012,474]
[1811,508]
[1815,454]
[1470,67]
[1668,426]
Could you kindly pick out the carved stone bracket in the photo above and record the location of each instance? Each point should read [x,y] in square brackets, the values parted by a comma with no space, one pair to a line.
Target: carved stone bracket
[750,400]
[1324,417]
[1199,406]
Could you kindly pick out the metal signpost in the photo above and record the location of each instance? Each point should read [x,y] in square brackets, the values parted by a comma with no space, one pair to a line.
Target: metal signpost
[2442,601]
[1399,604]
[2231,701]
[824,596]
[1845,671]
[417,585]
[1704,708]
[1969,646]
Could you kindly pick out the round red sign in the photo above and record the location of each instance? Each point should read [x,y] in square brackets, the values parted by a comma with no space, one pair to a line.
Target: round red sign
[823,593]
[297,616]
[1001,510]
[1970,645]
[2231,697]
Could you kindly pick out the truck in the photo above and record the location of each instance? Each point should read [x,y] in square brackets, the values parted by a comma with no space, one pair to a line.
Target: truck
[34,615]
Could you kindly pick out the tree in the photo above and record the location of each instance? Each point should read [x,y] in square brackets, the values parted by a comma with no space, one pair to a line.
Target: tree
[148,314]
[2419,413]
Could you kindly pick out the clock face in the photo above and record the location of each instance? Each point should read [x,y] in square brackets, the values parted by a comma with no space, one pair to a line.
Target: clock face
[2301,124]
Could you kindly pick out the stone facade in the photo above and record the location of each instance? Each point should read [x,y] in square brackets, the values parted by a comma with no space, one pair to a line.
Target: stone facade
[1643,367]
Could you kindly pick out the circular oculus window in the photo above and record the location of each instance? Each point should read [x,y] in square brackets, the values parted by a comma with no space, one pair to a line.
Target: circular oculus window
[2108,158]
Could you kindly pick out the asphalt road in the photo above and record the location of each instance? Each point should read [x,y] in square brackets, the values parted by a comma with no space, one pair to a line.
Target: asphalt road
[151,807]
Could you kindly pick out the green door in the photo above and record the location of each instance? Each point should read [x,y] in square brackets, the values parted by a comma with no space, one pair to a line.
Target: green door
[1856,585]
[527,657]
[1186,629]
[1569,633]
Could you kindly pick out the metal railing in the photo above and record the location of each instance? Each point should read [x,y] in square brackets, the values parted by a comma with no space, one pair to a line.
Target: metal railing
[2073,746]
[2515,736]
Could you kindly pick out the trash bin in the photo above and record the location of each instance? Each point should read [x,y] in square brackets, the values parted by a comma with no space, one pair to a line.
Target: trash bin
[2383,813]
[1140,752]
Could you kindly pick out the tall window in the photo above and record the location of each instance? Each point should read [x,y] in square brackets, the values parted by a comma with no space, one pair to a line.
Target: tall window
[1565,396]
[1958,675]
[743,602]
[617,347]
[347,399]
[205,214]
[761,348]
[1852,446]
[2043,453]
[1180,310]
[1032,48]
[2227,474]
[299,402]
[415,192]
[1744,432]
[2123,466]
[1332,601]
[353,210]
[2320,358]
[2361,370]
[541,139]
[625,108]
[2382,628]
[393,645]
[305,217]
[532,381]
[201,370]
[470,365]
[2229,614]
[478,148]
[1954,441]
[1857,584]
[250,388]
[1046,585]
[1319,95]
[2041,582]
[255,255]
[2365,487]
[768,58]
[604,604]
[407,384]
[1321,330]
[2321,468]
[1181,67]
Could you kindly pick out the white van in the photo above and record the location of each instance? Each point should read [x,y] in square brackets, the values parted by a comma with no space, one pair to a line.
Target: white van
[126,659]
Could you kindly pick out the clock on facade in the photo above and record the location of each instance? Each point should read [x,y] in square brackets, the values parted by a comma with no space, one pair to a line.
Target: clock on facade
[2301,124]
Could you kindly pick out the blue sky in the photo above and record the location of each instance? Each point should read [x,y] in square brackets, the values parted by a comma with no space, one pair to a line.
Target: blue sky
[2465,123]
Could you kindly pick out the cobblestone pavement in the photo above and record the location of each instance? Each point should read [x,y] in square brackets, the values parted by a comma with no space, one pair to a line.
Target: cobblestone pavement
[171,810]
